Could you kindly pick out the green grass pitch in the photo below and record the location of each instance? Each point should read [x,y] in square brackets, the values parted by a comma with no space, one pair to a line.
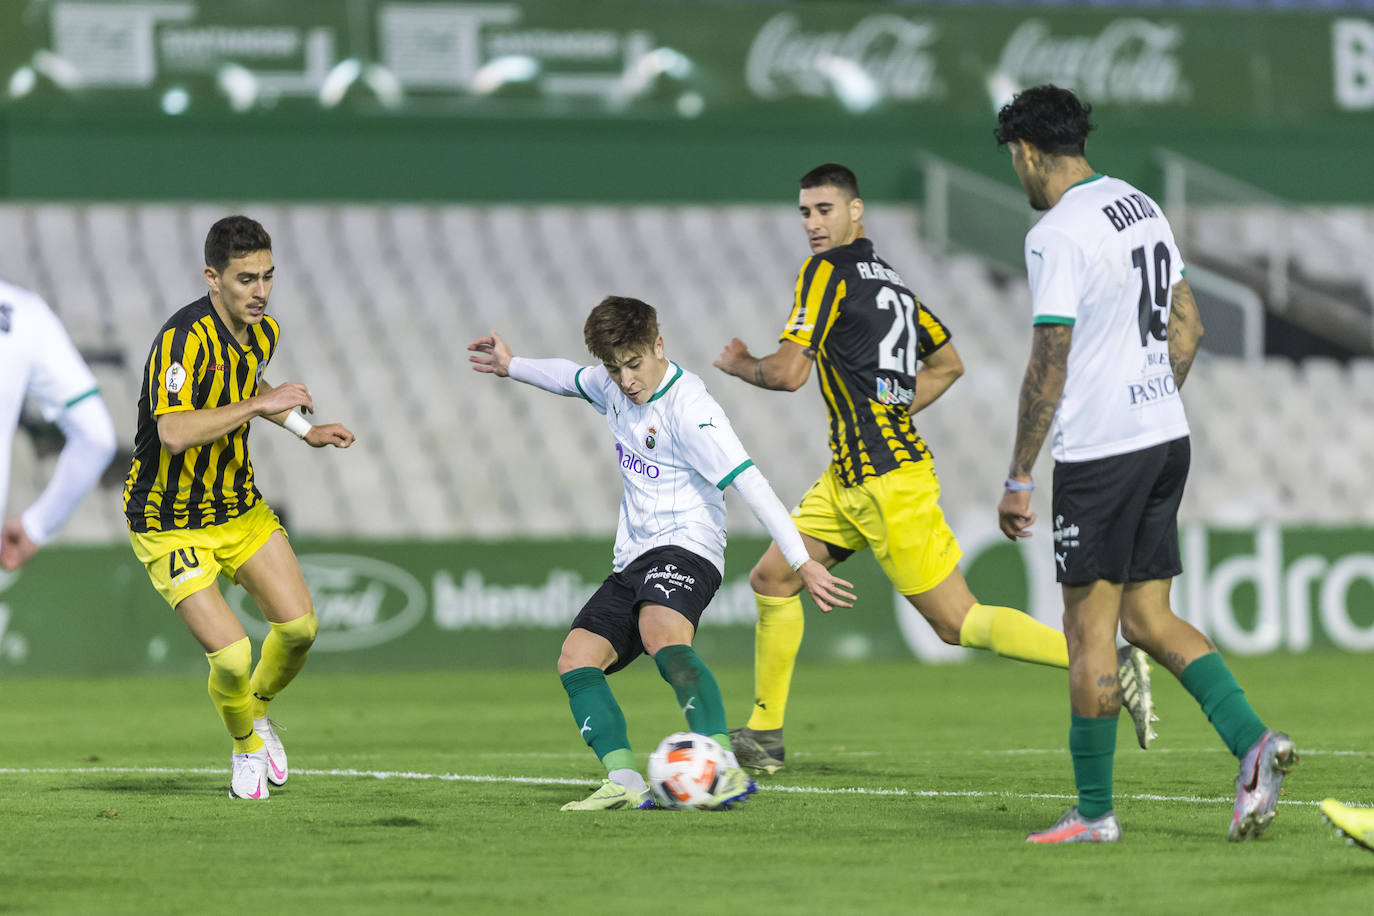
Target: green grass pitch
[909,788]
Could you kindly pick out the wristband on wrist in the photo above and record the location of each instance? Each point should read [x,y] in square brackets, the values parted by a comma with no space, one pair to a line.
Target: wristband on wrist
[1018,486]
[298,424]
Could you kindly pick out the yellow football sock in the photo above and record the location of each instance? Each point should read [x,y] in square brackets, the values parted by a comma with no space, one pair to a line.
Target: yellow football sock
[1012,634]
[283,655]
[777,637]
[229,692]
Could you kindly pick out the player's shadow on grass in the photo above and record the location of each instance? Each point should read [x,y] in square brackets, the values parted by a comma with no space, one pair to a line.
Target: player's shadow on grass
[173,785]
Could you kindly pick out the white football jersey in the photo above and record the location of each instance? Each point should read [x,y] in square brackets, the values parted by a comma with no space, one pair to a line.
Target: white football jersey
[37,358]
[1103,259]
[677,454]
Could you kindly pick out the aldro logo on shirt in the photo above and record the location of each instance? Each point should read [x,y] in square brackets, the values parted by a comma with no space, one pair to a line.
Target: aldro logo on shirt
[631,462]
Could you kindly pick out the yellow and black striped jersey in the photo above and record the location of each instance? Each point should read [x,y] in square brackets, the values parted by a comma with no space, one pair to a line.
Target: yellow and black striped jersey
[195,364]
[867,331]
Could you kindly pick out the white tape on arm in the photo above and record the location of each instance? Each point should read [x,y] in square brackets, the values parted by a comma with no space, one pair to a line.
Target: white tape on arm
[298,424]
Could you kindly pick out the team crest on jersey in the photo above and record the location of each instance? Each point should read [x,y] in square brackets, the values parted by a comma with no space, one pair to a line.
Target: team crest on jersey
[649,439]
[262,367]
[174,378]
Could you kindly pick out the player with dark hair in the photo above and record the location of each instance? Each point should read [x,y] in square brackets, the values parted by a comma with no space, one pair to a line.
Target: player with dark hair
[38,360]
[1115,332]
[193,507]
[866,332]
[677,453]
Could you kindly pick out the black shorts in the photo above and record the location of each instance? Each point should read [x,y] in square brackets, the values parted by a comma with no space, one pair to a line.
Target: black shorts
[1116,518]
[671,576]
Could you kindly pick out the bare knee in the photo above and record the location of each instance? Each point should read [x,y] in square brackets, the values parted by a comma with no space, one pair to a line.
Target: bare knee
[1144,626]
[1133,631]
[773,579]
[571,661]
[945,619]
[584,653]
[1082,629]
[945,607]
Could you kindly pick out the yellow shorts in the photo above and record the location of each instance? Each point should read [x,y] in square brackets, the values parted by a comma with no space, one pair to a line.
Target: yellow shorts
[183,561]
[897,514]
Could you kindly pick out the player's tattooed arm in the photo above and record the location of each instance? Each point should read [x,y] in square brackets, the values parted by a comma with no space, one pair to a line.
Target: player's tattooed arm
[1040,391]
[785,370]
[1184,332]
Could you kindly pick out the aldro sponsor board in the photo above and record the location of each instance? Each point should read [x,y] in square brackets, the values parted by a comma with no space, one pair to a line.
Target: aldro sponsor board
[545,58]
[397,605]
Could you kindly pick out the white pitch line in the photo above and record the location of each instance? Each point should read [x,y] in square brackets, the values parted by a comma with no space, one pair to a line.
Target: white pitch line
[1012,752]
[563,781]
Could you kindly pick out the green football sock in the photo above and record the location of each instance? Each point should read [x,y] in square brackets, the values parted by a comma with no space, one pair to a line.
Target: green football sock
[598,717]
[697,691]
[1092,742]
[1214,687]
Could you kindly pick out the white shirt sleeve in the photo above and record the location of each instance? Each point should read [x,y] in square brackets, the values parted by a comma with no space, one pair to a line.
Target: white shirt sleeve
[89,448]
[1177,267]
[1055,267]
[709,443]
[772,514]
[564,377]
[59,377]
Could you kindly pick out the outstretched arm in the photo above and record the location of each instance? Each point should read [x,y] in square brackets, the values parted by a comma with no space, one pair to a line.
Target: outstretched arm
[785,370]
[1040,391]
[1185,331]
[827,590]
[491,355]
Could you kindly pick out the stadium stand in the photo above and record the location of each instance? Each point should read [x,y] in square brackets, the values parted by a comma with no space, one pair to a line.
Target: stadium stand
[378,303]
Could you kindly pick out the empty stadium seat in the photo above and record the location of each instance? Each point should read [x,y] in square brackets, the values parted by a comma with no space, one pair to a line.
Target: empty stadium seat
[378,304]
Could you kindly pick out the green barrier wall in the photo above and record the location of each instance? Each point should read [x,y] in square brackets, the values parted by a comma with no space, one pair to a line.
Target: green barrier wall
[91,611]
[648,101]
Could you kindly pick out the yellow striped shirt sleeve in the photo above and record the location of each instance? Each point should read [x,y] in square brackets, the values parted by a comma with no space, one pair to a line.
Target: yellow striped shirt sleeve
[178,362]
[931,334]
[815,304]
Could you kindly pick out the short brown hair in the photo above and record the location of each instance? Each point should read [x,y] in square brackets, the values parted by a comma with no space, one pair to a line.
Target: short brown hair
[234,237]
[619,324]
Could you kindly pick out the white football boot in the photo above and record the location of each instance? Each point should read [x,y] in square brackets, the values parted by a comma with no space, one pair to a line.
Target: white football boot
[276,754]
[248,775]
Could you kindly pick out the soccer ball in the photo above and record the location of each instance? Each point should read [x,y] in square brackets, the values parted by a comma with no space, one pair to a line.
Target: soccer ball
[684,770]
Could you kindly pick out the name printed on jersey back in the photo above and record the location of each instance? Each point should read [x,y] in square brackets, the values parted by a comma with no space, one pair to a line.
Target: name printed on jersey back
[1128,210]
[876,270]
